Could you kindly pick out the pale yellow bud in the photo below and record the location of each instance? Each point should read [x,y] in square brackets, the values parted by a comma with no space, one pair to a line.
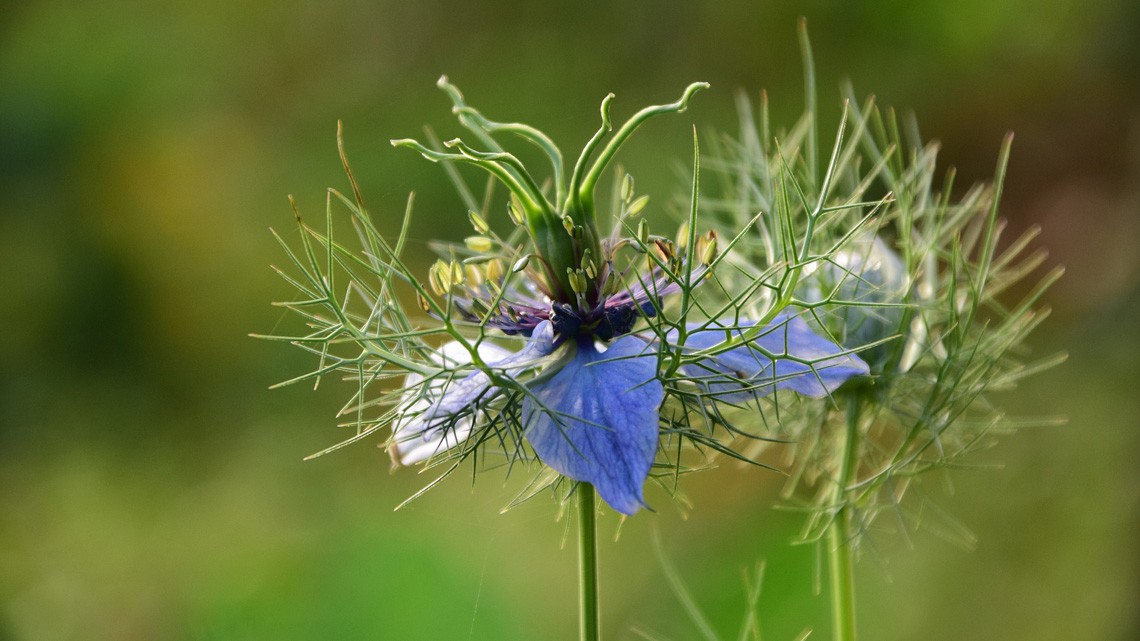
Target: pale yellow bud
[477,221]
[643,232]
[707,247]
[627,188]
[589,268]
[480,244]
[577,280]
[636,206]
[495,270]
[515,211]
[457,276]
[473,274]
[439,277]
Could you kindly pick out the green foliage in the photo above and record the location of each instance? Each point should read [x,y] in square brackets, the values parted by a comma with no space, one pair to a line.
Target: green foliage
[950,336]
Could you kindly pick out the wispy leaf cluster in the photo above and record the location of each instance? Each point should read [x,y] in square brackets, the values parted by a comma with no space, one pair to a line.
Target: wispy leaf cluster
[951,312]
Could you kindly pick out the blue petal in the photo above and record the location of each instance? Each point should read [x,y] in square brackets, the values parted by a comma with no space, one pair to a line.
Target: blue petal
[445,417]
[415,437]
[763,364]
[595,420]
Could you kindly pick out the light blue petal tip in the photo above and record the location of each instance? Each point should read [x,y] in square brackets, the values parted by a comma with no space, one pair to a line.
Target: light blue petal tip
[542,339]
[785,355]
[596,420]
[446,417]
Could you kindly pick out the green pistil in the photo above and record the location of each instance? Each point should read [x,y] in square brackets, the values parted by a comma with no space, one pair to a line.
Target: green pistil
[564,232]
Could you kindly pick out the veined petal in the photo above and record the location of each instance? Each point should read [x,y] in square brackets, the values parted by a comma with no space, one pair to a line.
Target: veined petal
[785,355]
[445,416]
[595,420]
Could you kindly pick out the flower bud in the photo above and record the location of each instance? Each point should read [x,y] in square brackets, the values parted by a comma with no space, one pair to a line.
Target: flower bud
[588,265]
[706,248]
[864,278]
[456,273]
[480,244]
[643,233]
[477,221]
[495,270]
[515,211]
[589,268]
[636,206]
[439,277]
[577,280]
[473,274]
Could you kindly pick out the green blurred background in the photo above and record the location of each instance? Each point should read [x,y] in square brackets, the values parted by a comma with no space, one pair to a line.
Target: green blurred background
[151,487]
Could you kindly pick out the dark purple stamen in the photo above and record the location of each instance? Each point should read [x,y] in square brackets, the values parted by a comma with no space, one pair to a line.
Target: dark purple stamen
[614,316]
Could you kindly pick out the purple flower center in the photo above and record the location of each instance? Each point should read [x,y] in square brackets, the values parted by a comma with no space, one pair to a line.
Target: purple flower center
[602,322]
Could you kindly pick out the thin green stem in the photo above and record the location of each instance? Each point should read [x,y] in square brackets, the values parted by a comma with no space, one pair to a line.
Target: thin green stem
[588,629]
[840,568]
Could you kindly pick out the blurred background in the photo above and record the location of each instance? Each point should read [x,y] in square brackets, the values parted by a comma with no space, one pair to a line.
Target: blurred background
[152,488]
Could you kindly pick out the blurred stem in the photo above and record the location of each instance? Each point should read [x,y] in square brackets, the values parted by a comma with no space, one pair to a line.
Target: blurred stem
[840,569]
[588,629]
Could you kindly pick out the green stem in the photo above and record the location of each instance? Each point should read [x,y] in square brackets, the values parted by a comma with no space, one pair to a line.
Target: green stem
[588,629]
[840,568]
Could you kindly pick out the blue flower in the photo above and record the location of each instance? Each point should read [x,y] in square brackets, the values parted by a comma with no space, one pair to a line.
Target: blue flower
[592,413]
[586,391]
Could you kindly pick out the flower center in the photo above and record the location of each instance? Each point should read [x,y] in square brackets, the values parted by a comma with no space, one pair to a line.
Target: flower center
[601,322]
